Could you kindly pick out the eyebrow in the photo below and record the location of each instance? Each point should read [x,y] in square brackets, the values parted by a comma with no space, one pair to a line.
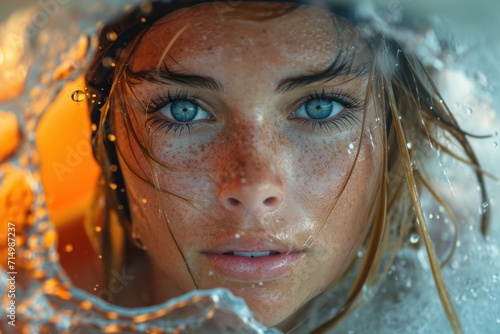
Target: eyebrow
[169,76]
[339,66]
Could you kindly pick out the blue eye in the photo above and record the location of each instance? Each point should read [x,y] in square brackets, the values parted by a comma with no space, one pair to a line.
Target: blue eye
[184,111]
[319,109]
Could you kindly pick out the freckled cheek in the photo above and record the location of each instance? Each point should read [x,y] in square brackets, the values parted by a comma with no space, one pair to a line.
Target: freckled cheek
[323,171]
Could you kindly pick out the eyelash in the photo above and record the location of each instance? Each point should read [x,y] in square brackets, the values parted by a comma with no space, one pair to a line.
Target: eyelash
[352,105]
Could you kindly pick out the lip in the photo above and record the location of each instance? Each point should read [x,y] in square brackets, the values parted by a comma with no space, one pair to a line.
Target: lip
[257,269]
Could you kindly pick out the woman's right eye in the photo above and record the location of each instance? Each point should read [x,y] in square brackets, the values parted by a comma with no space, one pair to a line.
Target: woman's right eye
[184,111]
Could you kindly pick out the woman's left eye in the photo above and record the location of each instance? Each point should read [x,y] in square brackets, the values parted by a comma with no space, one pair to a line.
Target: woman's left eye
[318,109]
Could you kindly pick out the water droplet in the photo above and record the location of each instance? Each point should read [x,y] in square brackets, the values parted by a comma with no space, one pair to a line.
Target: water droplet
[108,62]
[237,235]
[414,238]
[243,180]
[68,248]
[111,36]
[495,144]
[469,111]
[78,96]
[409,145]
[261,283]
[210,273]
[253,285]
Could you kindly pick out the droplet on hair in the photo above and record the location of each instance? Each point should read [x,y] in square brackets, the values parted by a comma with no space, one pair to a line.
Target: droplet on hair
[111,36]
[108,62]
[78,96]
[414,238]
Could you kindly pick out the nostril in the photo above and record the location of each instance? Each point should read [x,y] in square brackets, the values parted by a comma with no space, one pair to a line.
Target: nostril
[271,201]
[233,202]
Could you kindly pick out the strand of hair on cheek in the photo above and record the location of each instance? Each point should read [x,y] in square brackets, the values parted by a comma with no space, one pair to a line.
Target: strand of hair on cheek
[373,247]
[436,272]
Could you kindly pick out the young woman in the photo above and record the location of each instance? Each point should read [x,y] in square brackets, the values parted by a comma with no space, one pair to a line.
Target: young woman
[271,148]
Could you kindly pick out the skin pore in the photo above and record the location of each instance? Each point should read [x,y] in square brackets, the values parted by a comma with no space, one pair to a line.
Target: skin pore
[252,170]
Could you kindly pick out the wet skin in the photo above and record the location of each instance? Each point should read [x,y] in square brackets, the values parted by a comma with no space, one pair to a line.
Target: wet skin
[252,170]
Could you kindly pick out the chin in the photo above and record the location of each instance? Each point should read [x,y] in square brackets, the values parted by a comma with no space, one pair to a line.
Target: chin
[271,307]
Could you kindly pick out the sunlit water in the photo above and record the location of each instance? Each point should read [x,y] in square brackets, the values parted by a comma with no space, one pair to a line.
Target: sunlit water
[54,51]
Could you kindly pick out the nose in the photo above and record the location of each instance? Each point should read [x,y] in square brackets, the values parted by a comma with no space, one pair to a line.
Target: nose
[255,188]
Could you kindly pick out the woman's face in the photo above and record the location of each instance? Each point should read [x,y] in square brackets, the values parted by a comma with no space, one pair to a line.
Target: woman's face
[256,131]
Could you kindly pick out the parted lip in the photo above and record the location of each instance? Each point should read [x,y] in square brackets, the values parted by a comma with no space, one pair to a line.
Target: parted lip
[250,244]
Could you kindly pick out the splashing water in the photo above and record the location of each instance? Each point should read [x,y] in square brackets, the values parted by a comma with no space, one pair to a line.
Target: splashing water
[46,299]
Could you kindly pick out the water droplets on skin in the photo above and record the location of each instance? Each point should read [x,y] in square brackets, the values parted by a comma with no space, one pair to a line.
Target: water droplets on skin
[78,96]
[350,150]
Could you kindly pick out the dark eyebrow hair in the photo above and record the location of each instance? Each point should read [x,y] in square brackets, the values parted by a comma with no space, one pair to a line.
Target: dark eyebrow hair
[169,76]
[339,66]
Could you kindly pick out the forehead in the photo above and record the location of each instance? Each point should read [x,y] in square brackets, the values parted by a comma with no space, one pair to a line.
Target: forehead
[306,37]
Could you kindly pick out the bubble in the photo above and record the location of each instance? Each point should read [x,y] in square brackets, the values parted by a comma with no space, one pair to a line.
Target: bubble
[78,96]
[414,238]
